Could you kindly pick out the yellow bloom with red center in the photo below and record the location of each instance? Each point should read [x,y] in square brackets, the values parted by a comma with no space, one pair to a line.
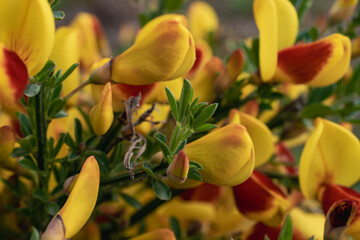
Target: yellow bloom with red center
[79,205]
[101,115]
[227,155]
[278,24]
[167,52]
[331,155]
[203,20]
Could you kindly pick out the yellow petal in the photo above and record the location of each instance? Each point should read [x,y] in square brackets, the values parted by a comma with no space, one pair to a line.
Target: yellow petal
[265,13]
[91,39]
[260,134]
[167,53]
[13,75]
[65,54]
[226,155]
[330,61]
[331,155]
[81,202]
[149,27]
[158,234]
[101,115]
[158,94]
[287,23]
[203,19]
[7,142]
[203,55]
[27,27]
[309,224]
[342,9]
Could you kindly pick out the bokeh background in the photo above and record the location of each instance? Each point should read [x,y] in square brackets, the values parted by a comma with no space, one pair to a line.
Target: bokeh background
[235,16]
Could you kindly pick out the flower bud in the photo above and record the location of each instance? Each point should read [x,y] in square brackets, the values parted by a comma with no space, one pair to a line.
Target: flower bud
[79,205]
[101,115]
[165,53]
[7,142]
[338,219]
[179,168]
[342,9]
[235,64]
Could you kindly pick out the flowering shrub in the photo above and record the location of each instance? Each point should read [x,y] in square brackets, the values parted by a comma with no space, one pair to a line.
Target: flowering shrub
[167,140]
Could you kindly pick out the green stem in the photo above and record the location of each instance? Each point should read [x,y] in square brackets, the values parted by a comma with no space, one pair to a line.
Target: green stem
[81,86]
[105,142]
[40,129]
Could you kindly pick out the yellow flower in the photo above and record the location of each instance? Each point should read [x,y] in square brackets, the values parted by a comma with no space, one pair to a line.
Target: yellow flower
[158,234]
[167,52]
[331,155]
[342,9]
[79,205]
[227,155]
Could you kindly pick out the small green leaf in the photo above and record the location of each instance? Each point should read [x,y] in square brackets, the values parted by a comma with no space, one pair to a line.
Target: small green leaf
[39,194]
[25,124]
[161,190]
[131,201]
[66,74]
[205,127]
[181,146]
[56,106]
[159,137]
[78,131]
[175,227]
[28,143]
[46,71]
[205,115]
[286,232]
[172,103]
[51,208]
[198,109]
[59,15]
[185,99]
[316,110]
[69,141]
[148,169]
[32,89]
[195,165]
[19,152]
[34,234]
[311,238]
[61,114]
[194,175]
[28,163]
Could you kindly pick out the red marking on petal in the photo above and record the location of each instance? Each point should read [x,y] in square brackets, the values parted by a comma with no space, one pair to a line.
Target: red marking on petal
[205,193]
[132,90]
[304,61]
[259,231]
[333,193]
[198,60]
[284,155]
[17,72]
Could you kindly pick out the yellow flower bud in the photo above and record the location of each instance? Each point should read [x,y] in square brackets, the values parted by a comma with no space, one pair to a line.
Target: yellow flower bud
[101,115]
[158,234]
[179,168]
[342,9]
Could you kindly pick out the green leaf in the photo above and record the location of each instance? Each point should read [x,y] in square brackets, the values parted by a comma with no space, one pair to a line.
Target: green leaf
[266,237]
[131,201]
[175,227]
[161,190]
[161,139]
[51,208]
[28,143]
[39,194]
[286,232]
[148,169]
[185,99]
[54,3]
[311,238]
[59,15]
[25,124]
[34,234]
[28,163]
[32,89]
[205,115]
[46,71]
[181,146]
[61,114]
[172,103]
[316,110]
[66,74]
[78,131]
[194,175]
[56,106]
[198,109]
[195,165]
[320,94]
[19,152]
[205,127]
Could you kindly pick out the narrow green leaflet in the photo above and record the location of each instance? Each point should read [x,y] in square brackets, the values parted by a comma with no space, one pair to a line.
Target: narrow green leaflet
[59,15]
[34,234]
[286,232]
[175,227]
[172,103]
[205,115]
[205,127]
[131,201]
[32,89]
[161,190]
[148,169]
[29,164]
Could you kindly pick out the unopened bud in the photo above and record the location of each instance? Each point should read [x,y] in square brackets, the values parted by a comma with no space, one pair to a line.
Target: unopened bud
[69,184]
[179,168]
[342,9]
[102,74]
[338,218]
